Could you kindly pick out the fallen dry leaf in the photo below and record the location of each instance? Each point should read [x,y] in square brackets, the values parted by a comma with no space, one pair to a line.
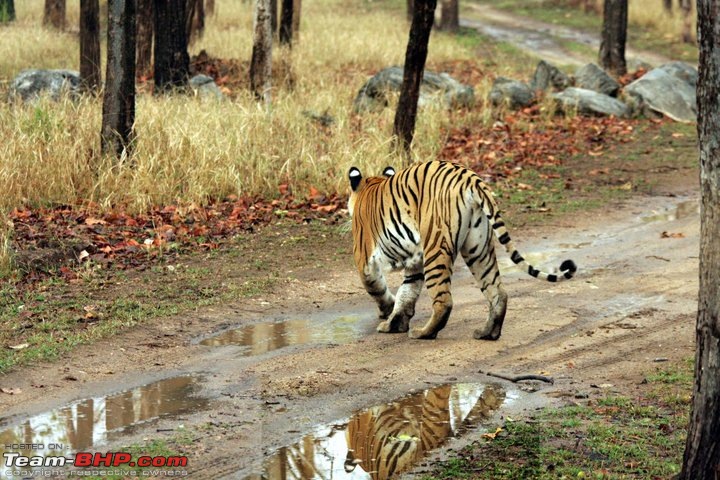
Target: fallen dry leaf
[672,235]
[491,436]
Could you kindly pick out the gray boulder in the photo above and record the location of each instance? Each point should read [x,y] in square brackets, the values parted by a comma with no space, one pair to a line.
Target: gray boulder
[547,75]
[592,77]
[513,93]
[668,90]
[375,94]
[588,102]
[205,87]
[31,84]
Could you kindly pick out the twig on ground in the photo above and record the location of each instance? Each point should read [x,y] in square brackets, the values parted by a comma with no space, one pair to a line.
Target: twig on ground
[519,378]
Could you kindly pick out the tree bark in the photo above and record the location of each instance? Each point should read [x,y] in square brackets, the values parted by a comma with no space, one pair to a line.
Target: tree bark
[286,22]
[686,9]
[614,34]
[415,57]
[701,460]
[261,62]
[410,10]
[54,14]
[119,99]
[90,44]
[7,11]
[145,28]
[450,16]
[172,62]
[274,17]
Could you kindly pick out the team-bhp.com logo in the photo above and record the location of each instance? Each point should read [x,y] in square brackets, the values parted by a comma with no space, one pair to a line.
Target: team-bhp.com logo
[14,460]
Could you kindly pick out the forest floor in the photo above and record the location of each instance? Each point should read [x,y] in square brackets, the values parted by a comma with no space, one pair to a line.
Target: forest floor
[249,351]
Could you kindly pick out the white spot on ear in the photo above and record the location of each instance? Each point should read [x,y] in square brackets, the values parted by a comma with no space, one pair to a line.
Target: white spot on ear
[354,173]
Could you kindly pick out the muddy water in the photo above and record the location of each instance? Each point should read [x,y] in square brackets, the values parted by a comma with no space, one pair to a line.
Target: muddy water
[681,210]
[265,337]
[385,440]
[88,423]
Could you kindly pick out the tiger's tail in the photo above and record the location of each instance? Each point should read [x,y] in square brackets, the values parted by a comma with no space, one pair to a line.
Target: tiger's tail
[567,267]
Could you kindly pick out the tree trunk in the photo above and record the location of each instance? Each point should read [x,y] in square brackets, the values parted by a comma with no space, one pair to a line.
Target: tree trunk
[7,11]
[195,21]
[614,32]
[450,16]
[297,7]
[702,449]
[210,7]
[145,23]
[54,14]
[274,17]
[90,44]
[286,22]
[667,5]
[261,62]
[410,10]
[172,62]
[415,57]
[118,114]
[686,9]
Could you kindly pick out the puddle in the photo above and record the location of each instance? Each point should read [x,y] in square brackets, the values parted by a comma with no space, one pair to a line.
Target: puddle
[681,210]
[88,423]
[265,337]
[385,440]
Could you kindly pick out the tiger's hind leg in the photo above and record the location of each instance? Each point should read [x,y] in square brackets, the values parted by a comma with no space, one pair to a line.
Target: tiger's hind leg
[437,275]
[373,280]
[407,295]
[479,255]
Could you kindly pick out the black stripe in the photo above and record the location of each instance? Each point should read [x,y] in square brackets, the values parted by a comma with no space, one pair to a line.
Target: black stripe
[552,278]
[377,294]
[504,238]
[474,249]
[533,271]
[498,224]
[516,257]
[414,278]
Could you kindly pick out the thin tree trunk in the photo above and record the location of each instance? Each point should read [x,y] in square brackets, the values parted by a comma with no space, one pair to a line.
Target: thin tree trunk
[54,14]
[686,9]
[90,44]
[614,34]
[410,10]
[415,57]
[195,21]
[7,11]
[286,22]
[261,62]
[450,15]
[297,8]
[145,27]
[210,7]
[172,62]
[119,99]
[274,17]
[701,460]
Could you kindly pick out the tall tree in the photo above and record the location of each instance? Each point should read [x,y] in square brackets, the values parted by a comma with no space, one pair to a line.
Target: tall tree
[145,28]
[297,8]
[274,16]
[702,448]
[415,56]
[261,62]
[90,44]
[172,62]
[7,11]
[450,15]
[614,35]
[410,8]
[54,14]
[286,22]
[118,114]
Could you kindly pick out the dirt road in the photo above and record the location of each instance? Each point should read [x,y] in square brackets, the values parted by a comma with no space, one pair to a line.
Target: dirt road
[307,358]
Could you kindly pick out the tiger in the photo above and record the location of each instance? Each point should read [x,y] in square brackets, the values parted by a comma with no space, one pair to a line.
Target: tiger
[418,219]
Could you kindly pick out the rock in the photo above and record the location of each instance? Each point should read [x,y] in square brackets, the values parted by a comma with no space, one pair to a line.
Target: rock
[375,93]
[547,75]
[204,86]
[668,90]
[588,102]
[513,93]
[592,77]
[30,84]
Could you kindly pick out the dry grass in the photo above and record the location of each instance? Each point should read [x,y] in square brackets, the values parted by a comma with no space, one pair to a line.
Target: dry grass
[189,150]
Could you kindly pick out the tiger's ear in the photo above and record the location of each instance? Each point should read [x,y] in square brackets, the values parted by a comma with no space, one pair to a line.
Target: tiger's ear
[355,177]
[389,172]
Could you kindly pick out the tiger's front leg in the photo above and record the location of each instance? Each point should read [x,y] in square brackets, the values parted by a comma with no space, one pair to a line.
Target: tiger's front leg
[407,295]
[373,280]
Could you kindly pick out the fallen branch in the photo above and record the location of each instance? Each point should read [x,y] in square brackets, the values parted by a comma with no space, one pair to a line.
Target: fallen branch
[520,378]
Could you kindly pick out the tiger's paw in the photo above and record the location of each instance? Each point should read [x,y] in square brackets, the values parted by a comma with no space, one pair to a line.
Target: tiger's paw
[419,334]
[384,327]
[484,335]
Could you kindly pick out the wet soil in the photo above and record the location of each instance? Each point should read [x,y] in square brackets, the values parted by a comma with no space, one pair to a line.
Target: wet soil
[243,381]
